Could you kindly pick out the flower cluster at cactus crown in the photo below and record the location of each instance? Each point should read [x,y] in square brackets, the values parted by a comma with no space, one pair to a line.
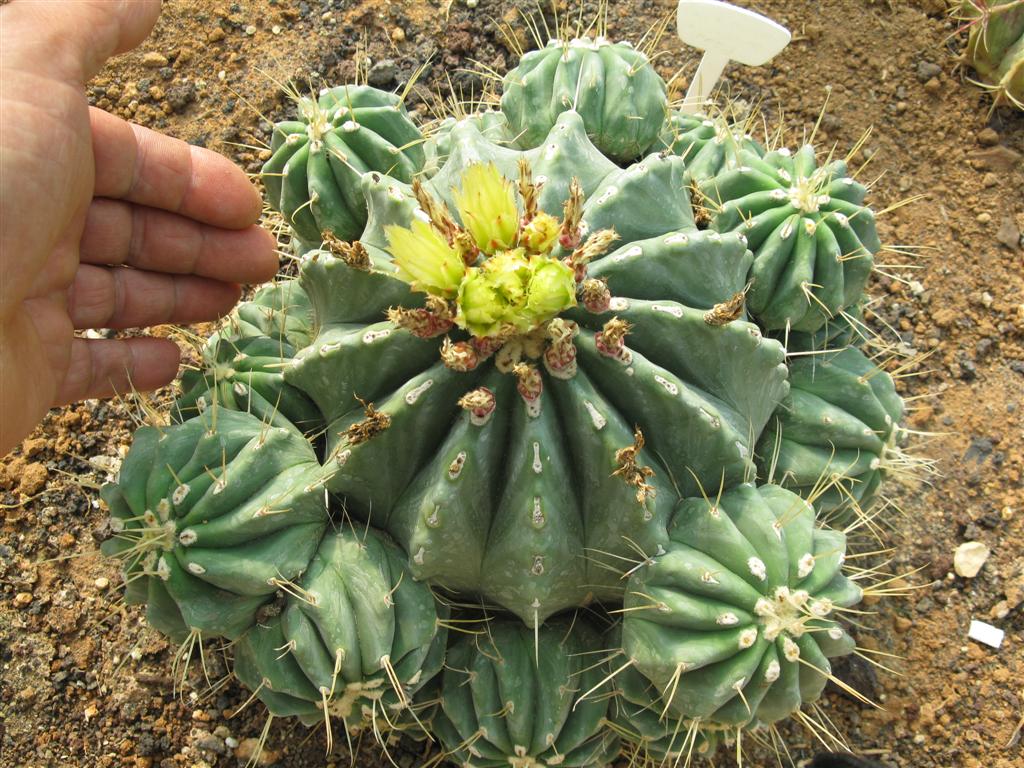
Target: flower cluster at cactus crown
[495,275]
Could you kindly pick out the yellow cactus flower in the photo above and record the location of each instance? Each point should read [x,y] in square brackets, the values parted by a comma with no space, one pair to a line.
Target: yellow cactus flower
[487,206]
[425,260]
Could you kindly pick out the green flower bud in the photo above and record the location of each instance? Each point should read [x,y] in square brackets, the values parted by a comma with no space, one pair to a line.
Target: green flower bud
[552,289]
[487,206]
[540,234]
[481,306]
[425,260]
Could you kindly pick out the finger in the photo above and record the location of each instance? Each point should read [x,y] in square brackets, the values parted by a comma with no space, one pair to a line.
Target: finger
[145,167]
[146,238]
[72,40]
[102,368]
[133,298]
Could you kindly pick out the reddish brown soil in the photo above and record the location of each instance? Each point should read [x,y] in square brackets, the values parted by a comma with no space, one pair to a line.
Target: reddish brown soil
[83,681]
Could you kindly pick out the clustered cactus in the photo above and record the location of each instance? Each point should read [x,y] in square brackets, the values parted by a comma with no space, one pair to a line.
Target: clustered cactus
[528,456]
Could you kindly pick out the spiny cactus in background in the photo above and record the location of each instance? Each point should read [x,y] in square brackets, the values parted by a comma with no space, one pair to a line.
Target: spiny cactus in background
[243,363]
[813,239]
[312,176]
[515,362]
[735,622]
[708,144]
[612,86]
[995,46]
[353,639]
[836,433]
[510,698]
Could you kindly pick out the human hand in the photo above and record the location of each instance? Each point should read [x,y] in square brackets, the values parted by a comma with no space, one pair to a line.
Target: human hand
[102,224]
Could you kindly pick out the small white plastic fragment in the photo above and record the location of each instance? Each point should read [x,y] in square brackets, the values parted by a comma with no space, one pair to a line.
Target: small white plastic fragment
[985,633]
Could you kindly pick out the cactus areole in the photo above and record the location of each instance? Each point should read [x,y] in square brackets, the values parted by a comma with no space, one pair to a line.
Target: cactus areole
[517,377]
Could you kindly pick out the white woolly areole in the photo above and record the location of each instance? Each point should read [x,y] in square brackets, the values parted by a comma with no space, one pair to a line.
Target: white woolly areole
[747,638]
[772,672]
[805,566]
[790,649]
[757,568]
[180,493]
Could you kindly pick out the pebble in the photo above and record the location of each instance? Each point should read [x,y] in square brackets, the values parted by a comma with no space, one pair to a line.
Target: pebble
[926,70]
[102,582]
[22,599]
[382,74]
[276,29]
[988,137]
[247,751]
[33,478]
[1008,234]
[398,34]
[969,557]
[250,30]
[154,60]
[984,218]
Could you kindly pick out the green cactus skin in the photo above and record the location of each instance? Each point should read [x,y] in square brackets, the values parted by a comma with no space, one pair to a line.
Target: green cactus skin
[740,603]
[313,175]
[813,239]
[839,420]
[709,145]
[352,631]
[613,87]
[509,698]
[847,330]
[650,734]
[437,147]
[486,508]
[243,362]
[209,514]
[995,46]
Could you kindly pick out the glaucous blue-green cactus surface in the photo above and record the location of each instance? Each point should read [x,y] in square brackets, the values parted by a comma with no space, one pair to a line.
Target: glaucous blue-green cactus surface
[528,456]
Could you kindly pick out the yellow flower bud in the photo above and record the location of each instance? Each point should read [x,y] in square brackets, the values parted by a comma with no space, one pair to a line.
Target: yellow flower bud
[487,206]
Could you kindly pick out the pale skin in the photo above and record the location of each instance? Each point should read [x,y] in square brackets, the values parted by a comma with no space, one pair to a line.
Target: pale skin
[103,224]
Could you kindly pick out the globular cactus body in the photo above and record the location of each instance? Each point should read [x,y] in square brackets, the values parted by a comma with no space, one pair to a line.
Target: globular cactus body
[355,639]
[210,514]
[835,432]
[995,46]
[493,488]
[813,240]
[510,699]
[312,176]
[612,86]
[734,624]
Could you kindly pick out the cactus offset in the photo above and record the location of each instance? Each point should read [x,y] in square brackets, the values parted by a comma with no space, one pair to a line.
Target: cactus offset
[734,624]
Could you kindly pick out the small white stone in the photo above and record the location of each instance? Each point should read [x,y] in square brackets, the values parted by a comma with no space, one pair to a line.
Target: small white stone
[969,557]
